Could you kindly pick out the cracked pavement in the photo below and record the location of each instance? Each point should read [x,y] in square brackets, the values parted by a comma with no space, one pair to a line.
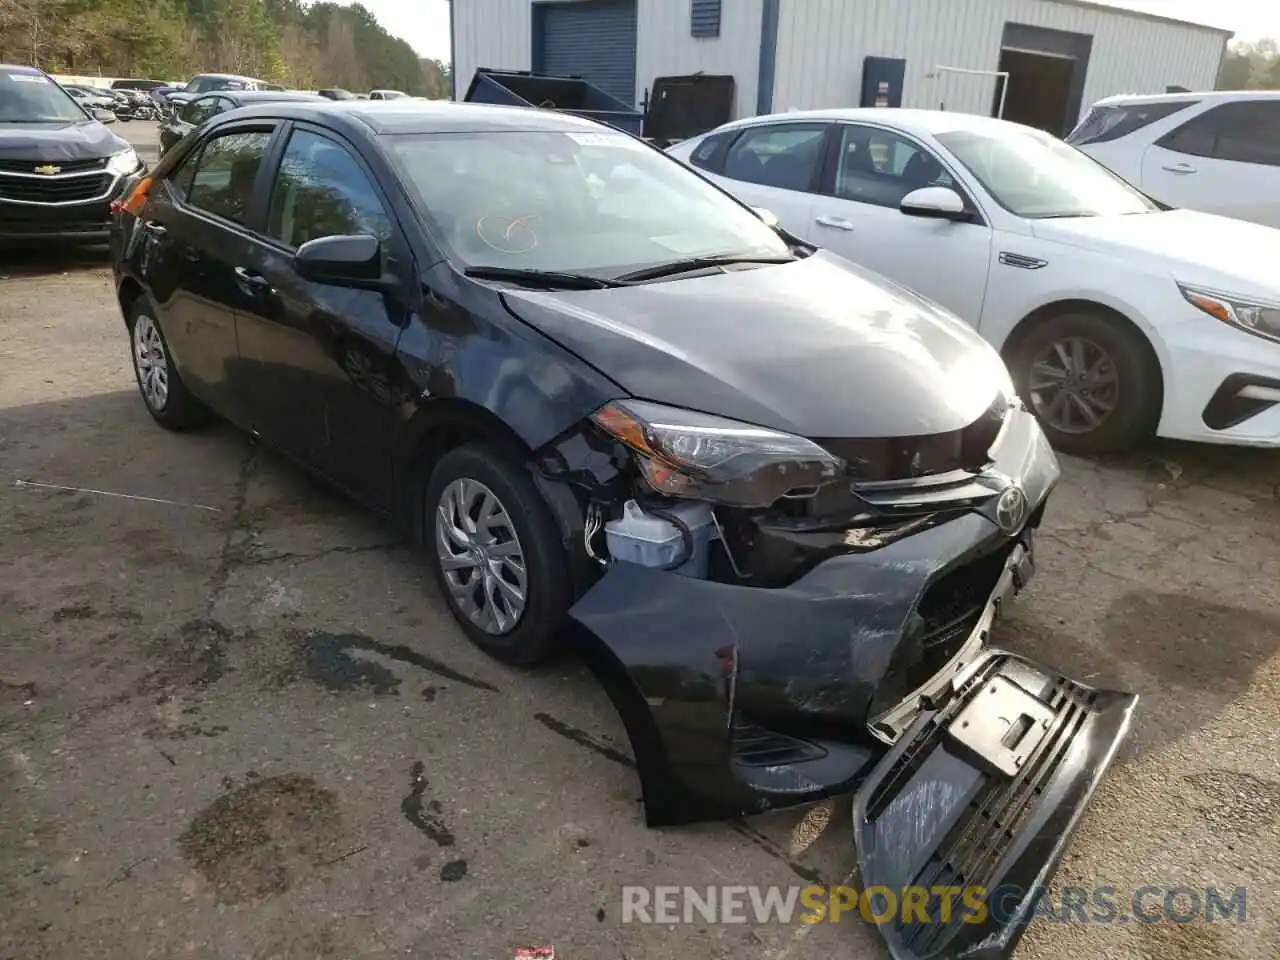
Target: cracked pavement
[241,724]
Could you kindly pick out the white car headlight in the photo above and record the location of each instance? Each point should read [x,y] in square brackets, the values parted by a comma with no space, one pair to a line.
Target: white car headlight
[1249,314]
[124,163]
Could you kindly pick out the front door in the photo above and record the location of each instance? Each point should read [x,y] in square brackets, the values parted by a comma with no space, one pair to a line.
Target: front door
[857,215]
[323,357]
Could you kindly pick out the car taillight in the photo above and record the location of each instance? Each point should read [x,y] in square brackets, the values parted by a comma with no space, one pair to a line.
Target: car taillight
[132,204]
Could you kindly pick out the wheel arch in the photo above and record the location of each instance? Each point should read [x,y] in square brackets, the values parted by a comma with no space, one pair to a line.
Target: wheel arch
[128,292]
[1022,329]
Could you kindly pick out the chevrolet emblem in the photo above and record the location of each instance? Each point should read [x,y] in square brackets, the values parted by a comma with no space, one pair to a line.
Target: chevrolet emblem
[48,169]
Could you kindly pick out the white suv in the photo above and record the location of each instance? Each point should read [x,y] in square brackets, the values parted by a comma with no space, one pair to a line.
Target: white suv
[1216,152]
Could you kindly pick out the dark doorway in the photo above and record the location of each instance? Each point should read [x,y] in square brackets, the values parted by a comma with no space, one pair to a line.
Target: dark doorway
[1039,93]
[1047,70]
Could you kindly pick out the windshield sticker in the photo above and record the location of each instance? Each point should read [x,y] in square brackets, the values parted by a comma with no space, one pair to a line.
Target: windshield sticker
[602,139]
[27,78]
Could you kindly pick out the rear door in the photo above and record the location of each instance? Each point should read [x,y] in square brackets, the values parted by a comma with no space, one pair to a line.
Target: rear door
[1225,160]
[197,228]
[323,357]
[771,165]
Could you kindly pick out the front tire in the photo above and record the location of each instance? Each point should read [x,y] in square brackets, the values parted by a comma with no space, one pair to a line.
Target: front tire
[1091,381]
[163,391]
[496,554]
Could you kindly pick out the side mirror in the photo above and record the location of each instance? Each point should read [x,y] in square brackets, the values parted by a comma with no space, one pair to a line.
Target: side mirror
[938,203]
[768,216]
[103,116]
[354,261]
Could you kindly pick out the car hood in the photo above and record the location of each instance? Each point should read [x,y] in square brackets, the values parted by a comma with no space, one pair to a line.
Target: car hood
[817,347]
[84,140]
[1198,248]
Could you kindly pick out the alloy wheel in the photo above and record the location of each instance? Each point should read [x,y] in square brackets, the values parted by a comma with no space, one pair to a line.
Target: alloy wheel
[151,362]
[481,556]
[1074,385]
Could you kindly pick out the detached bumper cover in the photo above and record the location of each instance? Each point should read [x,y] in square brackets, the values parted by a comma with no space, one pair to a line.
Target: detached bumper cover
[982,796]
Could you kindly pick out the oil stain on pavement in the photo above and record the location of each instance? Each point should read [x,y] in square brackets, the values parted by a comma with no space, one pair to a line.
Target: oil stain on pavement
[328,661]
[255,841]
[423,813]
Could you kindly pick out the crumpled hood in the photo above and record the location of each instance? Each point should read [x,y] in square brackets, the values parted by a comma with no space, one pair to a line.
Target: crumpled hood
[818,347]
[85,140]
[1199,248]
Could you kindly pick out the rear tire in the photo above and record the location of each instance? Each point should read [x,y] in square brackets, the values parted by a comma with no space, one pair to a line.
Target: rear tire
[165,395]
[1090,380]
[496,553]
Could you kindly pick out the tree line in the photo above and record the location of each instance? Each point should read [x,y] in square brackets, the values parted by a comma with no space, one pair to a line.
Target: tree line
[1251,66]
[300,45]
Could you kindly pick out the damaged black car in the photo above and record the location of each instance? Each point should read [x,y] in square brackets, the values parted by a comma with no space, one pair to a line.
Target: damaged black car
[775,501]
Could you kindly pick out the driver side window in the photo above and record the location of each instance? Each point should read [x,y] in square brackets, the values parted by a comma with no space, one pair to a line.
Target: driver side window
[321,191]
[879,167]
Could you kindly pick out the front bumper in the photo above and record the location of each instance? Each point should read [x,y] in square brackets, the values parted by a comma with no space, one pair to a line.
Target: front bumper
[1217,383]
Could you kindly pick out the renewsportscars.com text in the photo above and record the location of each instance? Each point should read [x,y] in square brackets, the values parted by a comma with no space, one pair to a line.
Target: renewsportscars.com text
[821,904]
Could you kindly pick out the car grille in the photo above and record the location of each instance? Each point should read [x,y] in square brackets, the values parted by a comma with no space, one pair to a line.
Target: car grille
[67,166]
[54,189]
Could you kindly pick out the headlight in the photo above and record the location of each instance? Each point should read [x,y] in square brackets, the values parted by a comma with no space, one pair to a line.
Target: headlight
[124,163]
[701,457]
[1252,316]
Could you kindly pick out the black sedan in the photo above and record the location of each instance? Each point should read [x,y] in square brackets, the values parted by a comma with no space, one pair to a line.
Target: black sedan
[776,502]
[190,115]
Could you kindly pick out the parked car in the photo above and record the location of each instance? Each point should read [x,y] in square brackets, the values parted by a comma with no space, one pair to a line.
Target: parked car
[1118,317]
[427,308]
[93,100]
[337,93]
[208,83]
[134,84]
[209,105]
[60,168]
[1215,152]
[387,94]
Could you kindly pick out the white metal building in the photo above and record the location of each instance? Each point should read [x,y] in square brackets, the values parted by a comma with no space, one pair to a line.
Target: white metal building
[1059,55]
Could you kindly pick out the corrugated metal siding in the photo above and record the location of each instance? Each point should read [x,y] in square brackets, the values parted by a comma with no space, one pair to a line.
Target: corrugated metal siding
[667,49]
[490,33]
[593,39]
[822,43]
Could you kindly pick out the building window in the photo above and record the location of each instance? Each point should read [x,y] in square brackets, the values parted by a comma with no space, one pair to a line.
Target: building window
[704,18]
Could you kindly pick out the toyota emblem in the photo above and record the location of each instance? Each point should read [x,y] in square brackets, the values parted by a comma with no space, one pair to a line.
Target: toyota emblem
[1012,509]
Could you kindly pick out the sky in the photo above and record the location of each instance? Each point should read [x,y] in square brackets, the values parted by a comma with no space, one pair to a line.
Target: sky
[425,23]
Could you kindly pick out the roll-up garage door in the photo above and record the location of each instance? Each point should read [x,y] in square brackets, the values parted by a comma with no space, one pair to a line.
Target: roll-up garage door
[592,39]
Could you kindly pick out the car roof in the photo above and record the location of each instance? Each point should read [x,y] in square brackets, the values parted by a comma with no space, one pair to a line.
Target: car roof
[261,96]
[1208,95]
[917,122]
[223,76]
[421,116]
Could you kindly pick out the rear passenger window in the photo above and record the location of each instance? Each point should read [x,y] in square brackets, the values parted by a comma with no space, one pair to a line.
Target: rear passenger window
[779,155]
[1113,122]
[704,154]
[225,172]
[1247,131]
[321,191]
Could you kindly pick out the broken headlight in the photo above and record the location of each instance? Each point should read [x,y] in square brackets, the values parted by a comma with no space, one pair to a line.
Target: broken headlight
[1249,314]
[697,456]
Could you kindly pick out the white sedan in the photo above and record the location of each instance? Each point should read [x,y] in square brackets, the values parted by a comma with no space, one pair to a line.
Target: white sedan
[1118,317]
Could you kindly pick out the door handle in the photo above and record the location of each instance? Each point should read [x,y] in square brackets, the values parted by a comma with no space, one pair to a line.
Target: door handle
[155,228]
[1179,168]
[251,278]
[836,223]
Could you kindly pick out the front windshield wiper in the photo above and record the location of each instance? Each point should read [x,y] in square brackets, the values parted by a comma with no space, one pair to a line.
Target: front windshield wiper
[546,279]
[673,267]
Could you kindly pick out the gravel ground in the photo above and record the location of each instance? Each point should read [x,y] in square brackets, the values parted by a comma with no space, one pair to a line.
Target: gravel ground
[240,723]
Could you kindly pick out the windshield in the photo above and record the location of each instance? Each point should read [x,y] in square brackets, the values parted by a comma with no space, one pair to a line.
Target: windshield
[28,97]
[1036,176]
[205,84]
[583,202]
